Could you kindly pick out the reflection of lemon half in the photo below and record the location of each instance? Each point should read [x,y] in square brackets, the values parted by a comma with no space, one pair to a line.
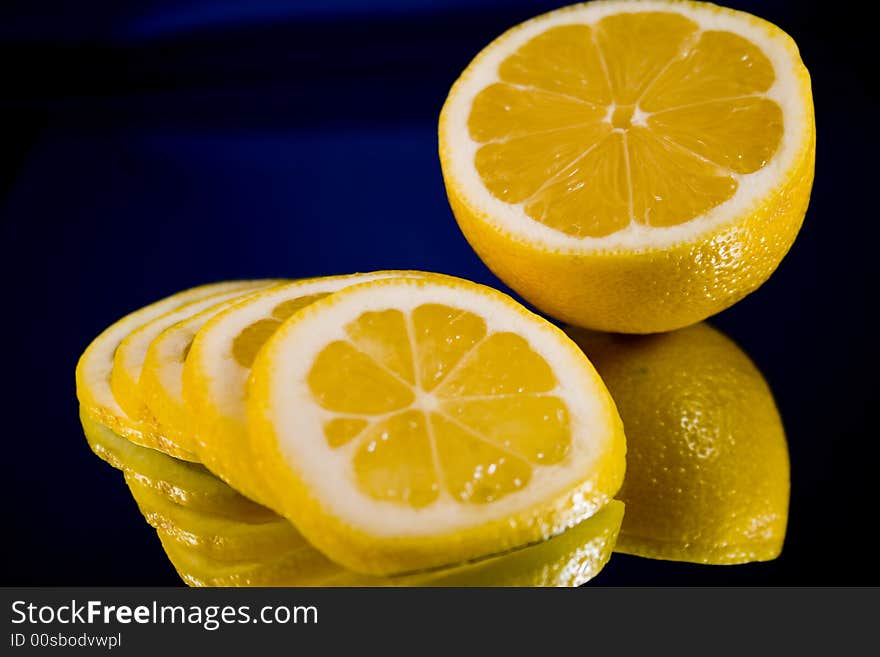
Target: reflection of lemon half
[707,475]
[412,423]
[218,364]
[632,166]
[93,371]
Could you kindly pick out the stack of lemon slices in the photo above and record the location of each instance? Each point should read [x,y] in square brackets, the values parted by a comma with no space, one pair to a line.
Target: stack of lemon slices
[625,166]
[378,429]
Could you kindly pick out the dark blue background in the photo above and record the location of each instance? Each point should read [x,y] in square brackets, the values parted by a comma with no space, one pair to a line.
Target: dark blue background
[148,147]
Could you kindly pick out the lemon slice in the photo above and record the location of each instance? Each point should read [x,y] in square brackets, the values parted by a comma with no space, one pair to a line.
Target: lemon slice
[707,476]
[161,378]
[569,559]
[407,424]
[187,484]
[93,371]
[129,357]
[632,166]
[218,364]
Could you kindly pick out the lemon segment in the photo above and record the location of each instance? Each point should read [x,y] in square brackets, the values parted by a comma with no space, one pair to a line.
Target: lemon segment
[495,434]
[632,166]
[217,366]
[707,476]
[95,366]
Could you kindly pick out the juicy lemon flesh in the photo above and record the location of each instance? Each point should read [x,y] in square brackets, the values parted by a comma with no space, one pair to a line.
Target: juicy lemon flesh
[432,404]
[248,342]
[640,118]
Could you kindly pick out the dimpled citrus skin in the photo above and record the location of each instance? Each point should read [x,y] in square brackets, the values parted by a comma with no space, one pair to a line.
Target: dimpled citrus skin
[650,291]
[647,289]
[707,476]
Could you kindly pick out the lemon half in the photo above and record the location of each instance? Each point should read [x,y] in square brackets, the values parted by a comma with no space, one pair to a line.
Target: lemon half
[632,166]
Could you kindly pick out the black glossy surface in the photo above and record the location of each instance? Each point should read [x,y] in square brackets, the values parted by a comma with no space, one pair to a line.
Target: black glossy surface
[153,147]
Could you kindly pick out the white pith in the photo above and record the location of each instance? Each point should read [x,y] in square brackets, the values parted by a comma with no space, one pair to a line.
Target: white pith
[224,378]
[753,189]
[298,421]
[96,364]
[168,348]
[133,350]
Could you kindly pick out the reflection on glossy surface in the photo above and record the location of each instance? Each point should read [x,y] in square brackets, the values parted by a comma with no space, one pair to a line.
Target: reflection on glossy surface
[215,537]
[707,476]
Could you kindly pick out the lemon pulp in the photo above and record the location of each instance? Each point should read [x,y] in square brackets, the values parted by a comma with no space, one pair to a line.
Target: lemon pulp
[638,118]
[436,403]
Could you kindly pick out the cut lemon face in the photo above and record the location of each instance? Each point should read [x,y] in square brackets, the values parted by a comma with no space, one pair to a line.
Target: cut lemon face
[128,360]
[93,371]
[161,378]
[217,366]
[632,166]
[407,424]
